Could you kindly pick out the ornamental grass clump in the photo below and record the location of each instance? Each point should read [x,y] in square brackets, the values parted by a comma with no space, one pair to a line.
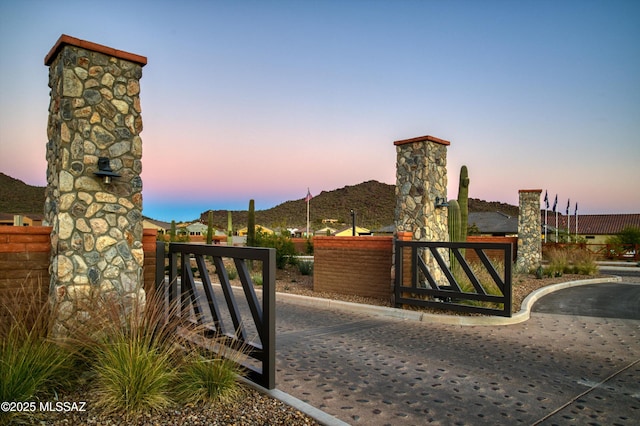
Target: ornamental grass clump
[583,262]
[305,267]
[558,262]
[484,277]
[131,352]
[143,358]
[205,377]
[570,261]
[31,365]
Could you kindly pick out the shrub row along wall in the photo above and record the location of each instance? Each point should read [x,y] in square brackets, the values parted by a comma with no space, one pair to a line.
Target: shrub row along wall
[24,260]
[353,265]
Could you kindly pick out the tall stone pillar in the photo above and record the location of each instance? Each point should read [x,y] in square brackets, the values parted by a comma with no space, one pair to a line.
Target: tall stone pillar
[421,179]
[96,235]
[529,230]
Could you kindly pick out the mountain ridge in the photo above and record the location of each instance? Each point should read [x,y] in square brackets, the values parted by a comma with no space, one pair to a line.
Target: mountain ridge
[373,203]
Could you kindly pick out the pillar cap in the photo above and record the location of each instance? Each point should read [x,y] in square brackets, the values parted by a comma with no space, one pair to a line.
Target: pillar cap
[426,138]
[72,41]
[530,190]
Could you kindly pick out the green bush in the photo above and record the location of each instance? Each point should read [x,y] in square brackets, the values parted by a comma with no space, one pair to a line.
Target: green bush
[232,272]
[285,249]
[305,267]
[257,279]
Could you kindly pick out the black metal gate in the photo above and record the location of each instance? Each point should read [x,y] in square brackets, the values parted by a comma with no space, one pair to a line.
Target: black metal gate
[252,318]
[482,286]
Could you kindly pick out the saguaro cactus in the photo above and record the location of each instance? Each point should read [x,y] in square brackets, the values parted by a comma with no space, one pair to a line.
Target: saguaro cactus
[251,225]
[463,201]
[455,225]
[172,231]
[210,227]
[229,229]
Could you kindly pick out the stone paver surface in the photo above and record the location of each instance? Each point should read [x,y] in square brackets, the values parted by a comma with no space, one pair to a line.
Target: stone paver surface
[551,369]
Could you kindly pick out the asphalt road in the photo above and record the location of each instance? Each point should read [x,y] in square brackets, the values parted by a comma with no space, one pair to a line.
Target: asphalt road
[612,300]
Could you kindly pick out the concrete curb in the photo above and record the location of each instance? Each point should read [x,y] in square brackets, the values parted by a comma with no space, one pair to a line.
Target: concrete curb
[402,314]
[311,411]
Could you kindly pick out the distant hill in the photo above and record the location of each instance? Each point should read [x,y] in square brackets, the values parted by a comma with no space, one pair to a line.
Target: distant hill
[374,203]
[477,206]
[18,197]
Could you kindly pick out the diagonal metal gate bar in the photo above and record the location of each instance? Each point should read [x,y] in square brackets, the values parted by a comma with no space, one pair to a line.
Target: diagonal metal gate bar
[482,286]
[224,315]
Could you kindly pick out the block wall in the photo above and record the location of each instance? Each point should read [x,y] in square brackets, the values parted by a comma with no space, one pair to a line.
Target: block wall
[24,261]
[353,265]
[470,255]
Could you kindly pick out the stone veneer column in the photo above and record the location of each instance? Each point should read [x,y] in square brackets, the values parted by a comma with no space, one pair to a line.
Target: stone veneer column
[96,233]
[529,230]
[421,176]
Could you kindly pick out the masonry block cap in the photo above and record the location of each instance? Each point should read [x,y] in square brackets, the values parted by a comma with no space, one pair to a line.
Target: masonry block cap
[426,138]
[539,191]
[66,40]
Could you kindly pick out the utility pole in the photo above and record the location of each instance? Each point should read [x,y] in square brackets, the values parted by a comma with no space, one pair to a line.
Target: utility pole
[353,222]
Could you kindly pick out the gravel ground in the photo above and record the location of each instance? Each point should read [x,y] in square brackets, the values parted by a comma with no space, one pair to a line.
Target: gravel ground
[253,407]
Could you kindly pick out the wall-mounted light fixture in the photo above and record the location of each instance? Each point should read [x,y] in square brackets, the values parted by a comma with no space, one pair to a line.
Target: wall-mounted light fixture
[104,170]
[441,202]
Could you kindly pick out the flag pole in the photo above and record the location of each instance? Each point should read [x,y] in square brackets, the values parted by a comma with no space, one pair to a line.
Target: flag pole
[546,207]
[568,221]
[576,213]
[555,210]
[307,218]
[308,199]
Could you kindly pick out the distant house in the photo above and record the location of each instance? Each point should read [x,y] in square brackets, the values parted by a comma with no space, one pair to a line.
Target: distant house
[348,231]
[161,227]
[242,232]
[495,224]
[594,228]
[12,219]
[196,229]
[324,231]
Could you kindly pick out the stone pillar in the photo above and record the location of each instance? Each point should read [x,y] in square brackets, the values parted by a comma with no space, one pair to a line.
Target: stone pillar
[421,177]
[529,230]
[96,237]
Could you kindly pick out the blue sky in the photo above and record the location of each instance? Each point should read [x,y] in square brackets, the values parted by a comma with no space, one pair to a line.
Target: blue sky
[264,99]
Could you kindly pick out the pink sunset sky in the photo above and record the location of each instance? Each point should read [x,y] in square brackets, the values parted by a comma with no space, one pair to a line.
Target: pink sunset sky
[264,99]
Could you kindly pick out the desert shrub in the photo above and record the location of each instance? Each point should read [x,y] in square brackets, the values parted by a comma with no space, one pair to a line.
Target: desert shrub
[625,240]
[257,279]
[285,249]
[558,262]
[305,267]
[232,272]
[570,261]
[583,262]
